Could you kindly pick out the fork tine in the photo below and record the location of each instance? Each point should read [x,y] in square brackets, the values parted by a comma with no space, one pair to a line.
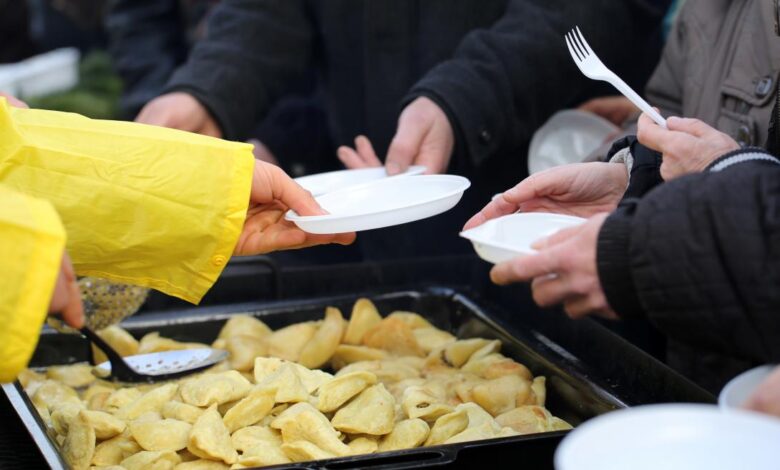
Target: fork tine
[574,54]
[588,50]
[577,47]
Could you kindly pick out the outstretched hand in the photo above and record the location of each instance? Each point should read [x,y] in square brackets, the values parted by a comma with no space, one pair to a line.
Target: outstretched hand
[66,298]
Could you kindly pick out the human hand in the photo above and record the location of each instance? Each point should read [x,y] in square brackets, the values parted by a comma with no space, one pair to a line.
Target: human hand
[179,111]
[562,271]
[766,398]
[265,228]
[580,189]
[66,298]
[262,152]
[616,109]
[688,146]
[13,101]
[362,156]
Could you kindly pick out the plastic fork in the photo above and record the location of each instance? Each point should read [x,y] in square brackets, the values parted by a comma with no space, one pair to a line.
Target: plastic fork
[592,67]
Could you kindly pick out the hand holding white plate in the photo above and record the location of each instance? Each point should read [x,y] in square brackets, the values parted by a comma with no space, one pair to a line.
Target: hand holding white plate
[323,183]
[741,387]
[510,236]
[383,203]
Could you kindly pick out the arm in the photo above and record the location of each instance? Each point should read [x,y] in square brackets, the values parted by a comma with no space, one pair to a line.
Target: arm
[697,257]
[32,240]
[147,42]
[490,89]
[252,52]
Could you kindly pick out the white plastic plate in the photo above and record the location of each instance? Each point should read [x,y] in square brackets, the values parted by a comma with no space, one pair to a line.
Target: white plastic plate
[567,137]
[323,183]
[383,203]
[739,389]
[510,236]
[672,437]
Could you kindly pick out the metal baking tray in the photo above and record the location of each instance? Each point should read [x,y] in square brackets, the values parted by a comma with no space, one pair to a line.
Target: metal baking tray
[575,391]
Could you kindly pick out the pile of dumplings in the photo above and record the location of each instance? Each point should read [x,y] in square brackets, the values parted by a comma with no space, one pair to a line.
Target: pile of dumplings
[399,383]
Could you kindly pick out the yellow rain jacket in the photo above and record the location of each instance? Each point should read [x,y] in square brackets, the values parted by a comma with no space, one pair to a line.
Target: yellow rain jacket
[141,205]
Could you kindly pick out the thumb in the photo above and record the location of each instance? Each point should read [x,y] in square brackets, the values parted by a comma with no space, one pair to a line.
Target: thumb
[406,143]
[270,183]
[690,126]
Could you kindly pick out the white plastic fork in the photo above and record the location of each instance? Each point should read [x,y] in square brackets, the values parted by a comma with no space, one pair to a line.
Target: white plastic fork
[590,65]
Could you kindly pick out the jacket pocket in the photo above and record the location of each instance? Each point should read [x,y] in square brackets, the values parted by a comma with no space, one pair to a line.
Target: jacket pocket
[747,98]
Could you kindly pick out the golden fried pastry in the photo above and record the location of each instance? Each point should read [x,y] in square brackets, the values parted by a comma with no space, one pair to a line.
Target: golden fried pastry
[288,342]
[503,394]
[460,351]
[364,317]
[414,320]
[244,325]
[105,425]
[262,454]
[347,354]
[371,412]
[27,377]
[164,434]
[51,393]
[287,385]
[527,419]
[364,445]
[447,426]
[474,433]
[265,366]
[395,336]
[151,460]
[495,365]
[430,338]
[201,464]
[388,371]
[243,351]
[406,434]
[120,398]
[62,414]
[152,400]
[153,342]
[74,375]
[557,424]
[339,390]
[311,379]
[119,339]
[209,438]
[319,349]
[210,389]
[539,387]
[181,411]
[114,450]
[251,436]
[79,445]
[96,395]
[305,423]
[250,409]
[302,451]
[420,402]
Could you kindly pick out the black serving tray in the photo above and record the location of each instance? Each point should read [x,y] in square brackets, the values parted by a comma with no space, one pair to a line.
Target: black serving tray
[575,389]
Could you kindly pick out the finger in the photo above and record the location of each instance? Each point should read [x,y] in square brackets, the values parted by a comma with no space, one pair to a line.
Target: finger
[13,101]
[766,397]
[651,134]
[526,268]
[495,208]
[366,151]
[579,306]
[271,183]
[350,158]
[73,313]
[556,238]
[406,144]
[549,291]
[690,126]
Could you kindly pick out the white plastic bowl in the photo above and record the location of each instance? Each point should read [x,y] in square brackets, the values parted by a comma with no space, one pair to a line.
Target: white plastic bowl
[739,389]
[510,236]
[672,437]
[323,183]
[383,203]
[569,136]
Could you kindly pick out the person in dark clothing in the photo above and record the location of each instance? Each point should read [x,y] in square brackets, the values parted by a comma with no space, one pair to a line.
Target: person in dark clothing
[474,80]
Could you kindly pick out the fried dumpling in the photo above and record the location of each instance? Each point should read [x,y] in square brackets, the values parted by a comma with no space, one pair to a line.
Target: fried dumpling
[62,415]
[347,354]
[114,450]
[303,422]
[460,351]
[419,402]
[243,351]
[371,412]
[503,394]
[526,419]
[319,349]
[209,438]
[153,342]
[105,425]
[162,435]
[406,434]
[181,411]
[395,336]
[152,400]
[263,454]
[414,320]
[201,464]
[51,393]
[447,426]
[250,409]
[302,451]
[364,317]
[151,460]
[288,342]
[244,325]
[495,365]
[387,371]
[430,338]
[251,436]
[287,385]
[339,390]
[119,339]
[74,375]
[363,445]
[79,445]
[539,387]
[120,398]
[210,389]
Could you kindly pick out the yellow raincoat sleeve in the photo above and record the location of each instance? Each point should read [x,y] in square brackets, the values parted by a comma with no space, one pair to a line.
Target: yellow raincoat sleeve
[141,204]
[32,240]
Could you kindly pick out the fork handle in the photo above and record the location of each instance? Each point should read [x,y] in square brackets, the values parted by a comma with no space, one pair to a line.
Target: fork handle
[640,102]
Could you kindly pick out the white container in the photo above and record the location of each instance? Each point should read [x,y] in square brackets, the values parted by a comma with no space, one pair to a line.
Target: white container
[510,236]
[673,437]
[322,183]
[739,389]
[383,203]
[569,136]
[43,74]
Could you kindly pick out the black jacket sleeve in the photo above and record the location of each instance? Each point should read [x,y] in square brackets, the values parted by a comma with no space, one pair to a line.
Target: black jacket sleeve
[646,169]
[700,257]
[504,82]
[252,51]
[147,41]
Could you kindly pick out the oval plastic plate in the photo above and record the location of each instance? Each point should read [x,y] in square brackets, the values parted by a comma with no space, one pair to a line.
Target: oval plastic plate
[323,183]
[383,203]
